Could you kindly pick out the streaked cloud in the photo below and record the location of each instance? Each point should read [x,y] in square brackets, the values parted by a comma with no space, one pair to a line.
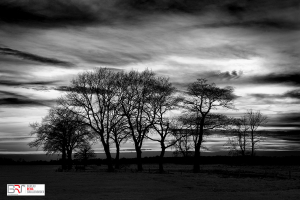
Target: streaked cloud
[276,78]
[11,99]
[29,56]
[19,83]
[13,139]
[294,94]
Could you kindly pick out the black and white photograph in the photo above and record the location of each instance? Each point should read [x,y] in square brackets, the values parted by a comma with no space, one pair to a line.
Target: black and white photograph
[150,99]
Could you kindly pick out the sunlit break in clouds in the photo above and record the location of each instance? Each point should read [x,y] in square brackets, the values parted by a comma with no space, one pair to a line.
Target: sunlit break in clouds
[251,45]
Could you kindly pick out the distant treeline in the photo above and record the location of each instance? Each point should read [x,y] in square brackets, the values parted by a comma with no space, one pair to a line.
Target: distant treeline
[205,160]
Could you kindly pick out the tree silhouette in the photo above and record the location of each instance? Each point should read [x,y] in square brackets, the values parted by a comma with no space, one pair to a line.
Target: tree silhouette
[240,142]
[94,97]
[255,120]
[84,153]
[60,132]
[202,99]
[184,145]
[141,93]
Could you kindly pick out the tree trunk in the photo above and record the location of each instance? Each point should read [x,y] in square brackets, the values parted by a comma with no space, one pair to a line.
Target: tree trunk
[252,152]
[85,162]
[117,159]
[63,158]
[139,158]
[244,145]
[107,153]
[69,159]
[252,141]
[161,159]
[108,157]
[200,131]
[243,152]
[196,168]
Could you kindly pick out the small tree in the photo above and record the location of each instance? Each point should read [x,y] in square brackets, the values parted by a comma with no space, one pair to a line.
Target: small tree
[84,153]
[60,132]
[245,132]
[255,120]
[239,143]
[184,145]
[202,98]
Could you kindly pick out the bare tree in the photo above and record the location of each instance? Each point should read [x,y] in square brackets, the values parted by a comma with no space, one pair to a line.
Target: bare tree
[255,120]
[94,97]
[84,153]
[184,145]
[202,98]
[245,133]
[240,142]
[140,96]
[60,132]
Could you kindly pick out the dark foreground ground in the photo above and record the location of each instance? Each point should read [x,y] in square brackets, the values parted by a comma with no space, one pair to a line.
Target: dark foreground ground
[214,182]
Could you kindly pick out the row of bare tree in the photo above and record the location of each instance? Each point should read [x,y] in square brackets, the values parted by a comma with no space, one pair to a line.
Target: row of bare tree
[116,106]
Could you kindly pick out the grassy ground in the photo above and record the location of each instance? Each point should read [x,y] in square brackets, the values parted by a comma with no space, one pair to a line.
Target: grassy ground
[214,182]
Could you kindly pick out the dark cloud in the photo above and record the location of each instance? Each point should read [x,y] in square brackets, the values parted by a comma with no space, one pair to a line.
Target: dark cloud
[289,135]
[243,13]
[234,7]
[212,76]
[265,96]
[190,6]
[10,72]
[276,78]
[32,83]
[48,12]
[33,57]
[9,99]
[280,125]
[294,94]
[62,88]
[263,24]
[36,85]
[288,120]
[76,12]
[227,75]
[267,14]
[21,102]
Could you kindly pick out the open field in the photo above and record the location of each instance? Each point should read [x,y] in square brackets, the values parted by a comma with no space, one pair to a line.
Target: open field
[214,182]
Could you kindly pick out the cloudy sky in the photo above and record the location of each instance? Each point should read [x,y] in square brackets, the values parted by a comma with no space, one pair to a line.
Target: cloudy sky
[252,45]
